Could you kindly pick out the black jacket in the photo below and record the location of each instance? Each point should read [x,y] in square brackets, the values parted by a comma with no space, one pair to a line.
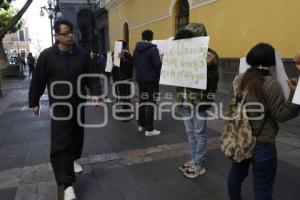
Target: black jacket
[147,62]
[54,65]
[125,70]
[101,63]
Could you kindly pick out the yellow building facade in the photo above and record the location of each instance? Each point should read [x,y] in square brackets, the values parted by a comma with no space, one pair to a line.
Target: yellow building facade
[233,25]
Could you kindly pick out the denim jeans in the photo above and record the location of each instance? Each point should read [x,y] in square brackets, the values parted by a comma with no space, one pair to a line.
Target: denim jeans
[264,165]
[195,126]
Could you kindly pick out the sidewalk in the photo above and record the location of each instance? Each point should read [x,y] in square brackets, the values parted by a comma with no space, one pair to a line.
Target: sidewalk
[120,163]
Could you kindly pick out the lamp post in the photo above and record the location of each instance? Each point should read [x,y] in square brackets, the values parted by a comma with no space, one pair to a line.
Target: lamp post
[53,13]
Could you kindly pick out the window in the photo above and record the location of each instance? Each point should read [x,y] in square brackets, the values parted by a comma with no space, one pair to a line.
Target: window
[182,14]
[21,35]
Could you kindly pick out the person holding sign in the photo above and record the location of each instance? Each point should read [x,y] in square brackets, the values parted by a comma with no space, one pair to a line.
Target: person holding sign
[147,62]
[101,69]
[268,107]
[297,61]
[123,74]
[199,101]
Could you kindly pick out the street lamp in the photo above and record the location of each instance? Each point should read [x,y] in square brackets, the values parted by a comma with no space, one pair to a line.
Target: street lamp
[53,13]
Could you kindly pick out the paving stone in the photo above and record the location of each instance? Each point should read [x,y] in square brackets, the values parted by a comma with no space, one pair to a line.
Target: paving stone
[96,144]
[103,158]
[40,131]
[284,190]
[18,134]
[215,196]
[146,172]
[47,190]
[9,183]
[106,195]
[8,194]
[38,153]
[14,156]
[86,185]
[148,191]
[114,195]
[27,192]
[38,173]
[5,128]
[179,188]
[10,178]
[116,178]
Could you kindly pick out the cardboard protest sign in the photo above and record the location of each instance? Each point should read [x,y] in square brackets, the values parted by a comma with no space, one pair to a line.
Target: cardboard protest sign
[184,63]
[109,62]
[117,51]
[161,45]
[279,73]
[243,66]
[296,99]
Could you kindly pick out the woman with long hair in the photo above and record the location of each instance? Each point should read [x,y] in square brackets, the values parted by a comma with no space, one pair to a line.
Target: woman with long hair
[265,89]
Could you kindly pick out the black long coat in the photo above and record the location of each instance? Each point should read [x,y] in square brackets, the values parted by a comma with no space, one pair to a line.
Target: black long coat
[53,66]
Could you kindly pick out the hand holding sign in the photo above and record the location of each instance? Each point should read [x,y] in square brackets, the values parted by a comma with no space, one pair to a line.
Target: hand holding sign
[210,58]
[296,99]
[109,62]
[297,61]
[292,84]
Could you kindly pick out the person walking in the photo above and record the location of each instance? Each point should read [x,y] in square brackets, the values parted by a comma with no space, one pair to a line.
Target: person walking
[264,89]
[30,63]
[147,63]
[64,62]
[195,120]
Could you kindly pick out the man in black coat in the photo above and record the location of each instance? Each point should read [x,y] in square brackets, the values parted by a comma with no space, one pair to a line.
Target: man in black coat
[148,65]
[59,67]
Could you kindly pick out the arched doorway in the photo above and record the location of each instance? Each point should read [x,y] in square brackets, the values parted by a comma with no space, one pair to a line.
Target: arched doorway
[182,14]
[126,34]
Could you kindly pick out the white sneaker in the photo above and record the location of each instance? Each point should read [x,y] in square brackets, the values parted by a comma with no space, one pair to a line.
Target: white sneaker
[141,128]
[107,100]
[77,168]
[69,193]
[186,166]
[152,133]
[194,171]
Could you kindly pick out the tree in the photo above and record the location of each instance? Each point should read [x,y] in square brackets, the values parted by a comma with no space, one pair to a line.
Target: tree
[9,22]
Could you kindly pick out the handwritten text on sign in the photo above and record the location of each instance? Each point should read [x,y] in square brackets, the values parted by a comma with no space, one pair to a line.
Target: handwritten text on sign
[184,63]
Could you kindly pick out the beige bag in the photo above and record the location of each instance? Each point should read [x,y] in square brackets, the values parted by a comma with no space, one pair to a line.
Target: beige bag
[237,141]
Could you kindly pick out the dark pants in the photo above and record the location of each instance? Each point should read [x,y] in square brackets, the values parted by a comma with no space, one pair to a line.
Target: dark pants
[66,144]
[147,93]
[264,165]
[31,68]
[1,95]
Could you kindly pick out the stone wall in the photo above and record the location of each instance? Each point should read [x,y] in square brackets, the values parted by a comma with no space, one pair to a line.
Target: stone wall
[229,67]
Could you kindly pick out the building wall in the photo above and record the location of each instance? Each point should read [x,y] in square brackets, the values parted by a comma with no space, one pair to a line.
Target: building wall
[70,10]
[234,25]
[102,29]
[13,45]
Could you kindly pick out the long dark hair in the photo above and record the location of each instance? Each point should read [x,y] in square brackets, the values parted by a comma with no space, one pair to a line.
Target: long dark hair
[261,55]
